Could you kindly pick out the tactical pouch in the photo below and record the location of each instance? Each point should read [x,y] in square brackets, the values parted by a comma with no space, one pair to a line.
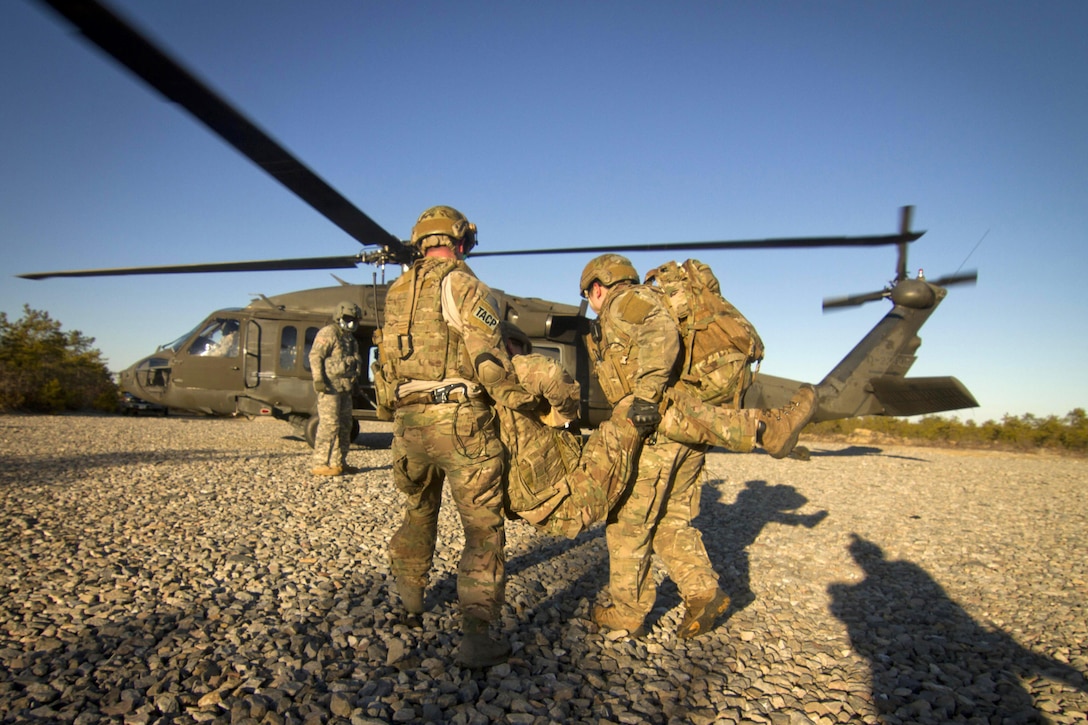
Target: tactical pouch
[385,391]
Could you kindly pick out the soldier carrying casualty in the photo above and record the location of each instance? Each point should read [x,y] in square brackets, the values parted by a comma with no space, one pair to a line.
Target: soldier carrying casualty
[637,353]
[442,371]
[562,486]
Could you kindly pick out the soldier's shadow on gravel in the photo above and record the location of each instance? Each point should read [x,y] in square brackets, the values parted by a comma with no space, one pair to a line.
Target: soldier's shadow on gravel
[931,662]
[594,578]
[729,529]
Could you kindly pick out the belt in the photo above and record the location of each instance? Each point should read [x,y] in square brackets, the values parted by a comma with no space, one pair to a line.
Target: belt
[454,393]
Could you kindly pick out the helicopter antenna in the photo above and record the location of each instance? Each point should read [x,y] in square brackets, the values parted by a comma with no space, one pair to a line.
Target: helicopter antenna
[979,242]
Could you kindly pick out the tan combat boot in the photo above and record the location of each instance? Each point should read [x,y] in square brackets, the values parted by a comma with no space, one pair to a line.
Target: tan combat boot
[783,425]
[610,618]
[411,598]
[478,649]
[326,471]
[702,613]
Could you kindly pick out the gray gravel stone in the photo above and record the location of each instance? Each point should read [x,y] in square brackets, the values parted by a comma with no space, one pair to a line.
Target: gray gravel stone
[189,570]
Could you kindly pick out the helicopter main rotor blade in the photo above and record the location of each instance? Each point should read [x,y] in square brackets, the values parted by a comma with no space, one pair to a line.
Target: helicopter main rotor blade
[136,52]
[783,243]
[268,265]
[960,278]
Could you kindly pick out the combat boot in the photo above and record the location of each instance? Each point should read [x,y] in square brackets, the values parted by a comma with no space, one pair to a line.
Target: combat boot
[478,649]
[411,597]
[782,426]
[610,618]
[326,471]
[702,613]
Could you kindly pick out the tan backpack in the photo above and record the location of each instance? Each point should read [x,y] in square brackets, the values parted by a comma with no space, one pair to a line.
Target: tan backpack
[720,344]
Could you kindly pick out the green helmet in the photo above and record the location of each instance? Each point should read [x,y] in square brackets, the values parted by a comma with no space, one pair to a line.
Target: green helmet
[347,309]
[608,269]
[443,221]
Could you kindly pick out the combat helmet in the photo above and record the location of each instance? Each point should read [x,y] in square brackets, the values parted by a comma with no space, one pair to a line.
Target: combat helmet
[608,269]
[347,315]
[443,221]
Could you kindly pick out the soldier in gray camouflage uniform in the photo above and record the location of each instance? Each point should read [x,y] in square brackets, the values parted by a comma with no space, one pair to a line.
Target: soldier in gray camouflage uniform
[335,364]
[442,370]
[635,356]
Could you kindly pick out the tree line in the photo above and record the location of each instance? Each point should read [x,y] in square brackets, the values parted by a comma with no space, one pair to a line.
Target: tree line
[1025,432]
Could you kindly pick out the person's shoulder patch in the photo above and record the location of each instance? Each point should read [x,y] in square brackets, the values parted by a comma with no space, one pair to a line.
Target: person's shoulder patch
[483,314]
[633,308]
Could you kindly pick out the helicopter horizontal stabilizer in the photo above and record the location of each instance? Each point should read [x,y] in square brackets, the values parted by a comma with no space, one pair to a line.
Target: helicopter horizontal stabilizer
[921,396]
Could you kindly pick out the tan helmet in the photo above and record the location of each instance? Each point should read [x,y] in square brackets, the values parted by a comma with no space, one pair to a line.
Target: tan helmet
[608,269]
[443,221]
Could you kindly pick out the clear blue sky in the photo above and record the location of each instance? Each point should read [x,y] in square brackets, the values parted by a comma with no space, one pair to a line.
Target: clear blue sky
[560,123]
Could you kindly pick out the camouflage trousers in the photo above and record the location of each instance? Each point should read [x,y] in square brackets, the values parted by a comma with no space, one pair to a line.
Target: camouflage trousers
[687,419]
[458,443]
[594,481]
[334,421]
[655,517]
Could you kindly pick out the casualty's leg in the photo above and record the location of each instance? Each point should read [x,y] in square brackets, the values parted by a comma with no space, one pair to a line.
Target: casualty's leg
[606,467]
[690,420]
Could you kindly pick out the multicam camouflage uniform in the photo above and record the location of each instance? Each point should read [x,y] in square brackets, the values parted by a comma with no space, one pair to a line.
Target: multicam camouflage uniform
[553,481]
[635,357]
[334,364]
[441,356]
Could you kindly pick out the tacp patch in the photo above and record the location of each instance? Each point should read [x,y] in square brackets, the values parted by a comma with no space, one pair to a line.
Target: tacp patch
[486,317]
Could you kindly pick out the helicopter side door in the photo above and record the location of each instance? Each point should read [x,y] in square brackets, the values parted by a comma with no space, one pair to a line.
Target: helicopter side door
[208,369]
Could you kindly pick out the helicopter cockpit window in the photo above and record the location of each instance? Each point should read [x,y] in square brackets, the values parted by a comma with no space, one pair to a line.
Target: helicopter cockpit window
[219,338]
[311,333]
[288,347]
[176,344]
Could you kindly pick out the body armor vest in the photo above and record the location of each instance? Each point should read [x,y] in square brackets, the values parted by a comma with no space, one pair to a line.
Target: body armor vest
[418,343]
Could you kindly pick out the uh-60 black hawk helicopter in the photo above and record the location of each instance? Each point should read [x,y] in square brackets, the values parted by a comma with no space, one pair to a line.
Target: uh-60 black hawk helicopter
[254,361]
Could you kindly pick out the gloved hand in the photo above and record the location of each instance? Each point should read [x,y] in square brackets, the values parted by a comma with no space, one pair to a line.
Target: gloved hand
[319,385]
[644,415]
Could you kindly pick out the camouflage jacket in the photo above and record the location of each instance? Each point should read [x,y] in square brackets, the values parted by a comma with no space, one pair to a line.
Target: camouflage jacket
[334,358]
[639,344]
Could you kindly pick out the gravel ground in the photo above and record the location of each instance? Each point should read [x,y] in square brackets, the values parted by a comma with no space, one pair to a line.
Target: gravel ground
[181,570]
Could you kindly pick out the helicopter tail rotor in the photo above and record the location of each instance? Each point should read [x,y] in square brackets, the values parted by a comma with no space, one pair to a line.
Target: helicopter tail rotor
[912,292]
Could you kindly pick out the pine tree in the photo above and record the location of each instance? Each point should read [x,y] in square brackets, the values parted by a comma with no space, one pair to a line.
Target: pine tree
[45,369]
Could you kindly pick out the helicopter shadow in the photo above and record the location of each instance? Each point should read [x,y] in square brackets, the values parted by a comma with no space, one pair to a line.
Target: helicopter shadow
[67,469]
[930,660]
[858,451]
[729,529]
[370,440]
